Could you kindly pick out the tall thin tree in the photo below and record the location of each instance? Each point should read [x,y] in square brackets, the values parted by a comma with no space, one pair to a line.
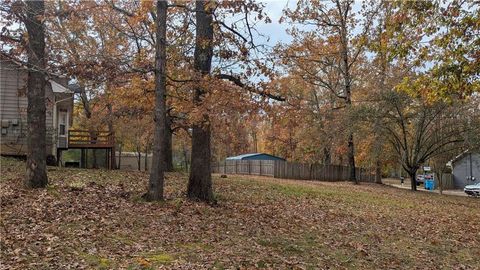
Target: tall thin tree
[200,180]
[155,187]
[168,158]
[36,174]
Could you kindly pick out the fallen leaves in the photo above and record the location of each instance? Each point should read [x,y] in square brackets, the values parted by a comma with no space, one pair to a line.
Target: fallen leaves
[97,219]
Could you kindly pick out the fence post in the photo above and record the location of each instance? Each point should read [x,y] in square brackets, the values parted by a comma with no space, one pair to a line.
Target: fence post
[276,168]
[310,172]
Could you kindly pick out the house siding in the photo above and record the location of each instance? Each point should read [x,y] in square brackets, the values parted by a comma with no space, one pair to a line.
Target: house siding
[13,102]
[461,170]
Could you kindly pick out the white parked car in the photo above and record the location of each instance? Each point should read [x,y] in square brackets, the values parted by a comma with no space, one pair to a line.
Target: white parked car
[473,190]
[420,179]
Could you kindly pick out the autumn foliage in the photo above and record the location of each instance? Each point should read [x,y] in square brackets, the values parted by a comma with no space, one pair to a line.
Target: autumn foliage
[319,98]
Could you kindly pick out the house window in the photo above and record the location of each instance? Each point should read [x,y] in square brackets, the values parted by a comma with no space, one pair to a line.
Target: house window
[62,124]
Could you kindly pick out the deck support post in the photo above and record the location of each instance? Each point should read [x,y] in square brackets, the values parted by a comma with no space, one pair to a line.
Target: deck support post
[107,159]
[112,158]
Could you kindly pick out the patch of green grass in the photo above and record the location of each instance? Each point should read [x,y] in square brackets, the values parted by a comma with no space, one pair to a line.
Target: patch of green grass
[344,257]
[96,261]
[120,239]
[465,254]
[177,204]
[190,251]
[156,257]
[70,227]
[347,195]
[219,197]
[196,246]
[53,191]
[138,198]
[291,246]
[218,265]
[261,264]
[152,261]
[77,185]
[11,162]
[300,191]
[160,258]
[104,263]
[305,243]
[142,199]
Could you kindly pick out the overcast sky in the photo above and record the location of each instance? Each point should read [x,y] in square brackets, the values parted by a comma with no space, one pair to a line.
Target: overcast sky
[275,30]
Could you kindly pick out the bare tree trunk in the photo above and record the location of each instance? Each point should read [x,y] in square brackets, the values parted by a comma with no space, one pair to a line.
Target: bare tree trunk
[440,182]
[85,102]
[413,179]
[168,144]
[93,139]
[119,165]
[378,170]
[327,157]
[255,142]
[351,159]
[383,79]
[200,180]
[110,130]
[347,80]
[155,186]
[139,158]
[92,131]
[36,171]
[185,158]
[146,159]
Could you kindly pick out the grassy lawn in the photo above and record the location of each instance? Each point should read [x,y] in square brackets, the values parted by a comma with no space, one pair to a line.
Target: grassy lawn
[97,219]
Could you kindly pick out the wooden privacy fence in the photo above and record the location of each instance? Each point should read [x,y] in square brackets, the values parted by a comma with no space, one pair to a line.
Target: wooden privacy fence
[252,167]
[292,170]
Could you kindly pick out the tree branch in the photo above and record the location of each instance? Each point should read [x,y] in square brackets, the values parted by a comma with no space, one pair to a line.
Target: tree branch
[239,83]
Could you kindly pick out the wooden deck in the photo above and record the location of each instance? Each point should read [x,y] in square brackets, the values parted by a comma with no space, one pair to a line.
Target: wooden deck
[87,139]
[90,139]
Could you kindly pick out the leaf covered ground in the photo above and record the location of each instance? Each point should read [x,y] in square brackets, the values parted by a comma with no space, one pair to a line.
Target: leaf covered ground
[96,219]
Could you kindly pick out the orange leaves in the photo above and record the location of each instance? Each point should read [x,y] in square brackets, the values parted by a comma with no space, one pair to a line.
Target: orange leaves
[138,94]
[141,14]
[220,100]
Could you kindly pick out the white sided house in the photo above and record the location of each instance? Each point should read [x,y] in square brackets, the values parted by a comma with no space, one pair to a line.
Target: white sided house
[13,110]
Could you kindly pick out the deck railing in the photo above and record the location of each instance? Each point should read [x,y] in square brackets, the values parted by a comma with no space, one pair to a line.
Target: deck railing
[90,139]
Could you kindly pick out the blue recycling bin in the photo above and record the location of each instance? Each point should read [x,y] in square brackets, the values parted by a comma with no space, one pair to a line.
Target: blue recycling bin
[429,184]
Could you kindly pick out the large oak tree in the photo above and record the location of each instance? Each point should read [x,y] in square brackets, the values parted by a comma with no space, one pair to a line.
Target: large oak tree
[36,175]
[155,188]
[200,180]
